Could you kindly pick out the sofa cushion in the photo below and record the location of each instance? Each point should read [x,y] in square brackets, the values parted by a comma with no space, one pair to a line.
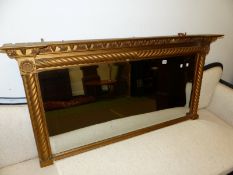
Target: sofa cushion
[211,76]
[222,103]
[202,146]
[17,141]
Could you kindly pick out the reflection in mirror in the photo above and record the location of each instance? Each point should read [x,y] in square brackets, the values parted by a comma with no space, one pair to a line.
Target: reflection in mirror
[90,103]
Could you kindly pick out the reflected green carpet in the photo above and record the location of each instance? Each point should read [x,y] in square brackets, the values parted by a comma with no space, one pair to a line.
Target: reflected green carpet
[64,120]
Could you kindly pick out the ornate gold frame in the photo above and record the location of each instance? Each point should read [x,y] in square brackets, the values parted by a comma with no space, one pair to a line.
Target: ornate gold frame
[36,57]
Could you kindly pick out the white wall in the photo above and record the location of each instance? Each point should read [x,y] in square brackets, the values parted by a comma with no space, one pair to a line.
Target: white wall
[30,20]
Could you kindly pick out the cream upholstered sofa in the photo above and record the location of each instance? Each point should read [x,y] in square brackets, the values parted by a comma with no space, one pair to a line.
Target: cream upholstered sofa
[203,146]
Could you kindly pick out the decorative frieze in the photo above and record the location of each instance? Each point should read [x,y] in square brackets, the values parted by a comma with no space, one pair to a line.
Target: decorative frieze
[43,48]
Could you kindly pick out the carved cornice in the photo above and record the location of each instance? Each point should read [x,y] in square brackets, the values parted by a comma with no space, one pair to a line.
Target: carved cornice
[34,56]
[45,48]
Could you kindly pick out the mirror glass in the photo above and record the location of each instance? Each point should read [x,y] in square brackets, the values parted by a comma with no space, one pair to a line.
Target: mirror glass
[90,103]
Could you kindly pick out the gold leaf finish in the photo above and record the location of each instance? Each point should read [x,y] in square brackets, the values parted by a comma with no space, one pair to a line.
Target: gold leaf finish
[41,56]
[196,89]
[113,57]
[38,118]
[27,66]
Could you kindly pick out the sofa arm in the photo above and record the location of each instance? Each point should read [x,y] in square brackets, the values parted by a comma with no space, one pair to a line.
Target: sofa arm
[222,103]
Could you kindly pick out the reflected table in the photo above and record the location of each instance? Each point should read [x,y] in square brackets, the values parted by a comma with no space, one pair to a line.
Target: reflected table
[97,83]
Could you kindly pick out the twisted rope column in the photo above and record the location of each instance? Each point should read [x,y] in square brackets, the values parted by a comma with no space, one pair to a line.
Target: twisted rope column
[196,89]
[38,118]
[113,57]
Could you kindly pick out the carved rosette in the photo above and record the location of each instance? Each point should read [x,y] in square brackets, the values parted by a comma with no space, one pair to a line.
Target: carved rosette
[27,66]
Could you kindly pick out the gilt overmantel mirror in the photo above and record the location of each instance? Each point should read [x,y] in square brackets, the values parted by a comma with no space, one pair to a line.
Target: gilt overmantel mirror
[86,94]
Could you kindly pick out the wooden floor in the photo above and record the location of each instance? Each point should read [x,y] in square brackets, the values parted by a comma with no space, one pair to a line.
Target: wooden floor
[64,120]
